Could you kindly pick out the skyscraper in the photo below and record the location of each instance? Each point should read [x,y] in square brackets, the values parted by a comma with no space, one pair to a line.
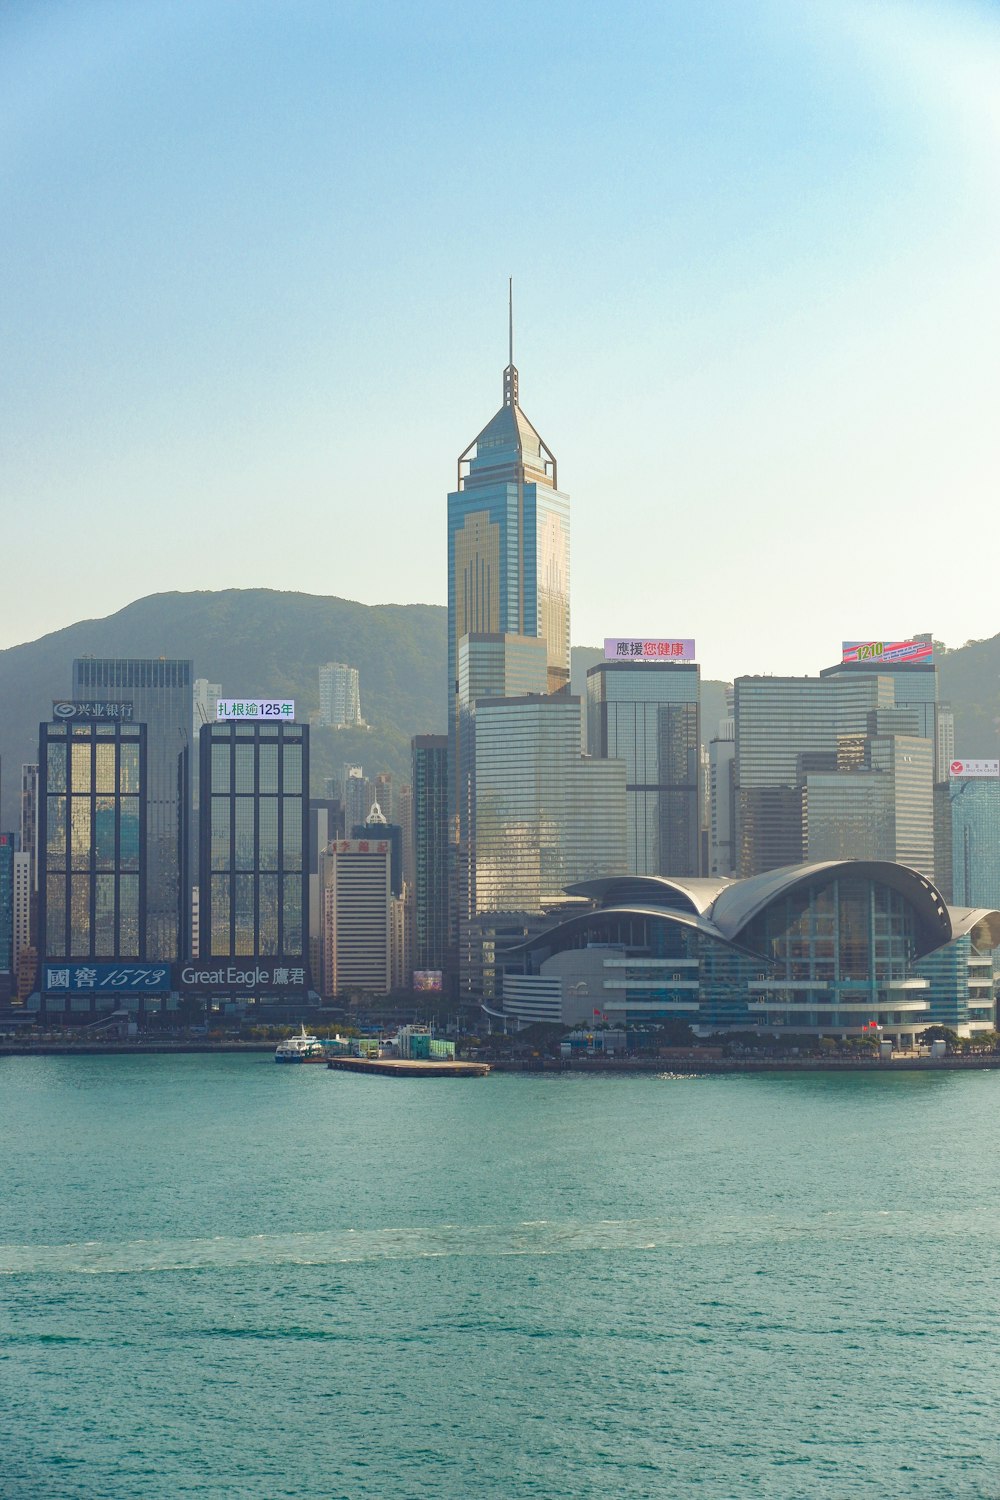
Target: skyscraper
[23,895]
[430,851]
[358,916]
[92,822]
[508,577]
[29,818]
[508,539]
[253,885]
[8,851]
[647,714]
[161,696]
[790,729]
[975,830]
[543,816]
[722,810]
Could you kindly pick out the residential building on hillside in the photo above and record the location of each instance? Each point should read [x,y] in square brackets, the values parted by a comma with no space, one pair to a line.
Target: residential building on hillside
[340,696]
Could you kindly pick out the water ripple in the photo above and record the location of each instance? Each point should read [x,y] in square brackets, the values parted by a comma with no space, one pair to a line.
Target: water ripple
[529,1238]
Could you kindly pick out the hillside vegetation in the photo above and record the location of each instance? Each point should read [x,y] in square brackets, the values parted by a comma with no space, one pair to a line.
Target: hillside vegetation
[262,643]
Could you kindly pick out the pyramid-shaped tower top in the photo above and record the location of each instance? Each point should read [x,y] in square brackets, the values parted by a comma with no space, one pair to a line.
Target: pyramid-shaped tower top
[508,448]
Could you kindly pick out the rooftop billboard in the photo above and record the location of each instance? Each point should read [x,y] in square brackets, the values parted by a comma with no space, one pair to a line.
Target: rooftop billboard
[649,650]
[888,651]
[975,768]
[255,708]
[68,708]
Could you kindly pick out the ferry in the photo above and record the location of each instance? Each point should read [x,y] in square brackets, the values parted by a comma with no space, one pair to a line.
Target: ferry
[300,1049]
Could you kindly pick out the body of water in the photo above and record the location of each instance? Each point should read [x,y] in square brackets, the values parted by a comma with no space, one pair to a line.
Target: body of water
[224,1278]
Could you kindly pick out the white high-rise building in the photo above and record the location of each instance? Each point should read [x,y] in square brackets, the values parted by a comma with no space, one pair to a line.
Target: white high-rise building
[206,697]
[339,696]
[22,906]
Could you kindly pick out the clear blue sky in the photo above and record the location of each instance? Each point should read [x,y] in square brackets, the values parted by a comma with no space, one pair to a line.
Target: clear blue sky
[254,261]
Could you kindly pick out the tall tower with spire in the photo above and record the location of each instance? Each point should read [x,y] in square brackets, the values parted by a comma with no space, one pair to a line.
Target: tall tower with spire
[508,606]
[508,538]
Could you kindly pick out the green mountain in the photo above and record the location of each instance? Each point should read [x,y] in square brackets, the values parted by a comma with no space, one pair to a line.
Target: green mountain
[257,643]
[262,643]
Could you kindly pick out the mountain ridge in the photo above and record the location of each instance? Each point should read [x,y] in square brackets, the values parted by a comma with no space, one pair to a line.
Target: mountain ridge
[271,642]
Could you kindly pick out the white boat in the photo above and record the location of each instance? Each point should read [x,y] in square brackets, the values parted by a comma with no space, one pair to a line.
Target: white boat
[301,1048]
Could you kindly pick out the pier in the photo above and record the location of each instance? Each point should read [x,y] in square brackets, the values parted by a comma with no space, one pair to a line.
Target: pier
[401,1067]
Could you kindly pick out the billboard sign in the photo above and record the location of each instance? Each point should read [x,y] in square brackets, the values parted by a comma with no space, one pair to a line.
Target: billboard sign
[430,981]
[243,976]
[649,650]
[877,652]
[86,713]
[255,708]
[361,846]
[975,768]
[106,979]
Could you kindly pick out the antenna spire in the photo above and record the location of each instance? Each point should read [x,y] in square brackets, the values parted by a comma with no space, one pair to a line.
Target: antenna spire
[510,374]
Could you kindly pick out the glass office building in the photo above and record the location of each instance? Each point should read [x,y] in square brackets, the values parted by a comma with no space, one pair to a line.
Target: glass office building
[789,729]
[975,840]
[508,561]
[544,815]
[647,714]
[162,697]
[430,852]
[92,821]
[253,832]
[8,848]
[508,540]
[881,806]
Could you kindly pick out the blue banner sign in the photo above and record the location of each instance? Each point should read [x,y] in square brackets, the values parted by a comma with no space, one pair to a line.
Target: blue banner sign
[106,979]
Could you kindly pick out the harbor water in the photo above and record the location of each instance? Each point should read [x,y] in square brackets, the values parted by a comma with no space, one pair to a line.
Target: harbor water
[224,1278]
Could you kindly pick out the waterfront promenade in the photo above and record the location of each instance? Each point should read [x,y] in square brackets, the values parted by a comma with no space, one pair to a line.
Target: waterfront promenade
[689,1063]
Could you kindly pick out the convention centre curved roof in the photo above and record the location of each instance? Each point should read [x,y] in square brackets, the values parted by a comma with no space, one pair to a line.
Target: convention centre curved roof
[725,908]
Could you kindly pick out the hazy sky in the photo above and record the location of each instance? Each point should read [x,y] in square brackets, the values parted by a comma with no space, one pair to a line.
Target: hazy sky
[254,270]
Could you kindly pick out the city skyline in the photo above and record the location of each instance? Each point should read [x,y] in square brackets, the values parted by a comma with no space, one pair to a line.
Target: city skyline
[755,329]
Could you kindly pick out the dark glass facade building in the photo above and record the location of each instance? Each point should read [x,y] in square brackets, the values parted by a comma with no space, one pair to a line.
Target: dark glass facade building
[8,846]
[974,805]
[253,841]
[648,715]
[92,851]
[430,852]
[162,698]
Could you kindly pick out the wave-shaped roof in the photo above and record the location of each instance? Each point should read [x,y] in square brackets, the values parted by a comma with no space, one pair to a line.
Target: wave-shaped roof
[695,894]
[727,907]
